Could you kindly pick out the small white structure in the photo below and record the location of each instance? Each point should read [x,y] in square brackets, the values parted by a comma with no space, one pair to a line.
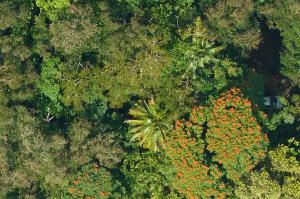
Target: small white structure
[272,102]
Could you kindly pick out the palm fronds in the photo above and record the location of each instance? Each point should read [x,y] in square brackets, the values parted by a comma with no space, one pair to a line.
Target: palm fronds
[149,126]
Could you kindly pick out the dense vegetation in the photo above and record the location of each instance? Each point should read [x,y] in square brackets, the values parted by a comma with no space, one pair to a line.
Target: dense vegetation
[149,99]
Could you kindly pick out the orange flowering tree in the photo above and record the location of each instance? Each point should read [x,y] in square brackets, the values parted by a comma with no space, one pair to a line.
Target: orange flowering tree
[91,182]
[234,136]
[194,178]
[222,141]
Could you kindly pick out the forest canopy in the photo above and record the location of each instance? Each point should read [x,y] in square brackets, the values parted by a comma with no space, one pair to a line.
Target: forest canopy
[104,99]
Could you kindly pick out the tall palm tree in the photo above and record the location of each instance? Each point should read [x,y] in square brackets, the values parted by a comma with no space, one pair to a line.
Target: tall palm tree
[202,51]
[149,125]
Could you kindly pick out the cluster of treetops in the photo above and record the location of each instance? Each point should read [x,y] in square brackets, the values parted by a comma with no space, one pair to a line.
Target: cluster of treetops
[149,99]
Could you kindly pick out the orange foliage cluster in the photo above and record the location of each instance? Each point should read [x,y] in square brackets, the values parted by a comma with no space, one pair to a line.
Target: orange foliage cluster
[233,138]
[193,178]
[234,135]
[73,190]
[77,186]
[103,193]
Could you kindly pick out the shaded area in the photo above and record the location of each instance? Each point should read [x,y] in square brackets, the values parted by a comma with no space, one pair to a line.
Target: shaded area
[266,59]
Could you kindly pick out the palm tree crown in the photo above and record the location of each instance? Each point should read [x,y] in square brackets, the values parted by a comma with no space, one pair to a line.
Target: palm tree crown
[202,51]
[148,126]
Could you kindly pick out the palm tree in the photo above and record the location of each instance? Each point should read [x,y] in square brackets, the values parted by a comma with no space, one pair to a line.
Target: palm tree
[202,51]
[203,55]
[149,126]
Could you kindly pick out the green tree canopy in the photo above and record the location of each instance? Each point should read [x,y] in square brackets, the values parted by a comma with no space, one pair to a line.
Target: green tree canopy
[90,181]
[233,22]
[147,175]
[289,26]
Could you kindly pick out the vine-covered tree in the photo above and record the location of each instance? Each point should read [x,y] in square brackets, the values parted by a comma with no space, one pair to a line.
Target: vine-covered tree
[289,26]
[233,22]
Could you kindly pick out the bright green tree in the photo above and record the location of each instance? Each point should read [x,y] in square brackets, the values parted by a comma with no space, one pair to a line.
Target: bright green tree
[63,91]
[289,115]
[49,87]
[52,7]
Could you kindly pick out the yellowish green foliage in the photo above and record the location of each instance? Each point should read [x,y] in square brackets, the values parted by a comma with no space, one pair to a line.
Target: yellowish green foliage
[284,158]
[87,143]
[258,185]
[74,35]
[285,161]
[230,21]
[280,178]
[52,7]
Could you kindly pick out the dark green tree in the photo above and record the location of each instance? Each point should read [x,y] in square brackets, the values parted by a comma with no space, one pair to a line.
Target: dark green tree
[289,26]
[198,61]
[147,175]
[91,181]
